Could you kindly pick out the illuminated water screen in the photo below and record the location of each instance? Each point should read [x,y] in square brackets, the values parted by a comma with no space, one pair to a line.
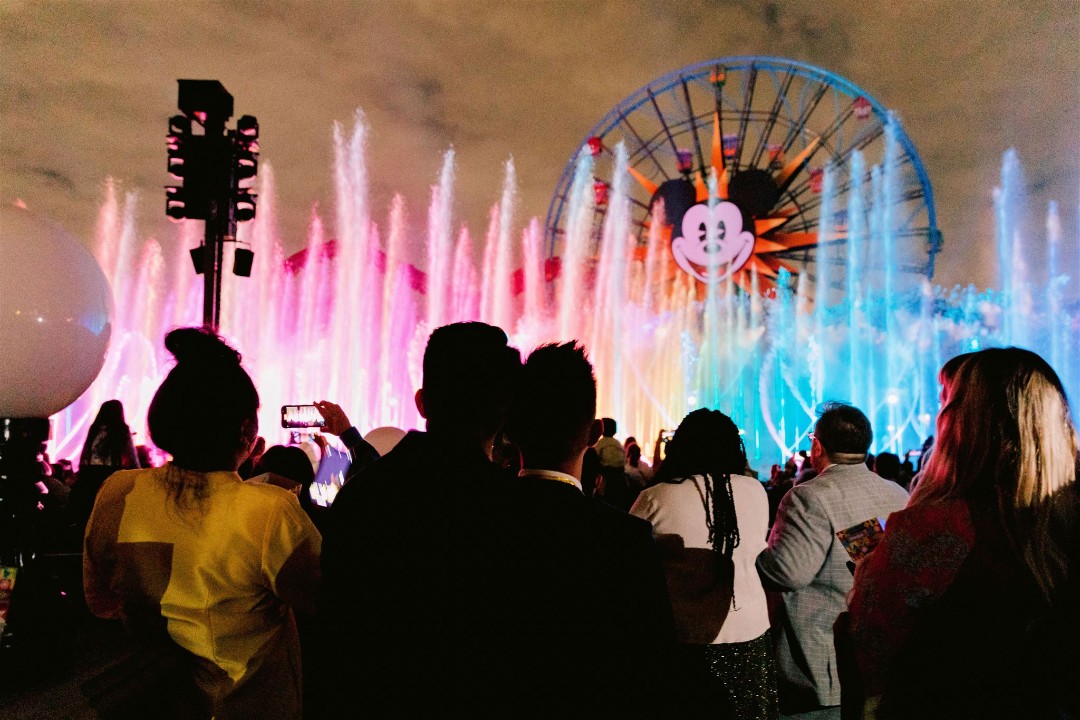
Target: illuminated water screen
[347,318]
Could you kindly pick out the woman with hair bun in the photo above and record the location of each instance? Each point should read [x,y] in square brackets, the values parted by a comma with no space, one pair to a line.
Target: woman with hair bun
[959,610]
[192,550]
[710,522]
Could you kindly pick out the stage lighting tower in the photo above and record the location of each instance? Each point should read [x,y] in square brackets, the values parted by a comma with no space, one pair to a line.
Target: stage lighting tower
[211,166]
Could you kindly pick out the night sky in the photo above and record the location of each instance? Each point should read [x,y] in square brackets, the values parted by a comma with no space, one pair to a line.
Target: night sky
[86,89]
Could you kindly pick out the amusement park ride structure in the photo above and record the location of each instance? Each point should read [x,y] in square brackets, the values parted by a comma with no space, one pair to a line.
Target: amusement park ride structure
[766,129]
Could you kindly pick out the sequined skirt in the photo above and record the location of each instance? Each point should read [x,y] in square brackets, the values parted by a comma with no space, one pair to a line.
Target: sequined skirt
[732,680]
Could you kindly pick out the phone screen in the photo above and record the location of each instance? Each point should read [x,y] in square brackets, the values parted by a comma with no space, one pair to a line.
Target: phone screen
[301,416]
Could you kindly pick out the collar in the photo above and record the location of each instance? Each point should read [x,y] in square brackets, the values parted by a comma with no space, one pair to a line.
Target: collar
[554,475]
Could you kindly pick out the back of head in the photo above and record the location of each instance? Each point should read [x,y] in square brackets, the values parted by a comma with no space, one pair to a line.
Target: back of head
[204,412]
[1014,403]
[706,442]
[468,373]
[610,427]
[887,465]
[844,433]
[108,433]
[287,461]
[1005,433]
[111,414]
[554,404]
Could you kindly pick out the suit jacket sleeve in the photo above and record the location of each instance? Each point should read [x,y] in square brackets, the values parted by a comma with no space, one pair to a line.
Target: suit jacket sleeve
[360,451]
[798,544]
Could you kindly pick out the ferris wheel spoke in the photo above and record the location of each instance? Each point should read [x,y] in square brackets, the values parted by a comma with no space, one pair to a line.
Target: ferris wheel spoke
[800,123]
[782,89]
[693,124]
[663,122]
[751,81]
[643,146]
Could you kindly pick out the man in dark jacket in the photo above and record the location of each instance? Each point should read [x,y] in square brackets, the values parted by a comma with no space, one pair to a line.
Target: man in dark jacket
[413,604]
[591,614]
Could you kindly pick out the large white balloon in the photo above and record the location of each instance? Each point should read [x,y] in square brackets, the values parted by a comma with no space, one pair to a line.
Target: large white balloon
[55,310]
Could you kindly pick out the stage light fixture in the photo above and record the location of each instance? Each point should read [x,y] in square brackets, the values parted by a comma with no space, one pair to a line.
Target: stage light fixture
[242,261]
[244,201]
[248,127]
[175,207]
[200,258]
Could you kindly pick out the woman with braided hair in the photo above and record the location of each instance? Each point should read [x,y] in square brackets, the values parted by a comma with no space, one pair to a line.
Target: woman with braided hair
[711,522]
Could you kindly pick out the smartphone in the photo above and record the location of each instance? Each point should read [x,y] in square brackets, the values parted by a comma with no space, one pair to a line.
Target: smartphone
[301,416]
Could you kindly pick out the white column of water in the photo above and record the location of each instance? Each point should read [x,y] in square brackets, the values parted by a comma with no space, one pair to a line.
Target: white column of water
[532,327]
[503,311]
[856,251]
[1006,208]
[606,341]
[574,313]
[440,245]
[466,294]
[875,302]
[706,389]
[311,321]
[1056,280]
[387,367]
[346,384]
[891,288]
[819,343]
[487,266]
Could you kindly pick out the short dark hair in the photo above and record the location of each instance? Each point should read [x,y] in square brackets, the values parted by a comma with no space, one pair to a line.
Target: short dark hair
[287,461]
[554,403]
[887,465]
[468,373]
[843,430]
[198,414]
[610,427]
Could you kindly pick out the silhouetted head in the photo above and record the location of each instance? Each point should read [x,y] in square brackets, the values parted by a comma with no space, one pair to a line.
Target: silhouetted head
[706,442]
[610,428]
[287,461]
[111,414]
[842,436]
[633,454]
[887,465]
[469,371]
[204,412]
[553,413]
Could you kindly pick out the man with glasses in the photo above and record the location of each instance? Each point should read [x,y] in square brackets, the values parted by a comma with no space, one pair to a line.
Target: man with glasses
[807,565]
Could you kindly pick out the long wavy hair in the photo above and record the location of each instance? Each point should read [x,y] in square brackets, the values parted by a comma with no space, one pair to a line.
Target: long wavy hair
[111,426]
[1005,432]
[707,443]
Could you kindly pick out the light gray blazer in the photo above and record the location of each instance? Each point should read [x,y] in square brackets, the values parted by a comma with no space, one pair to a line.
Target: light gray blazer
[805,560]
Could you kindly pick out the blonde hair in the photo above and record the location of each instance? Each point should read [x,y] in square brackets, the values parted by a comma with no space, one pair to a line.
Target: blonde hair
[1005,431]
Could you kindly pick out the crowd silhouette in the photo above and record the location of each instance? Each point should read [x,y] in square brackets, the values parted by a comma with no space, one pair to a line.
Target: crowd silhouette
[515,559]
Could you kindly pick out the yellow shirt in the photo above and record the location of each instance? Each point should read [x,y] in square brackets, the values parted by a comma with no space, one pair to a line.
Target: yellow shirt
[224,576]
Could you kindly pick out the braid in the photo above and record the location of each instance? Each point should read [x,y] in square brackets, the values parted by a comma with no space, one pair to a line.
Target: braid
[708,443]
[722,523]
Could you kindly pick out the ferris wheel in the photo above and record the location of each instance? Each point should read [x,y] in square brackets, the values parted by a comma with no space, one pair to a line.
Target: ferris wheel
[769,131]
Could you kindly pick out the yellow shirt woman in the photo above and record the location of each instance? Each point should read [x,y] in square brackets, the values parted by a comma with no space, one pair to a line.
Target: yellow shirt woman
[224,571]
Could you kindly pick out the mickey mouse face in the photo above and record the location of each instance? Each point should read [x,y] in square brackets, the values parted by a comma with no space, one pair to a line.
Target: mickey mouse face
[714,236]
[706,231]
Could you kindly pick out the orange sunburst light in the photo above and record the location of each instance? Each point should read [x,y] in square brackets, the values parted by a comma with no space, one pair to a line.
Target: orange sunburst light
[704,237]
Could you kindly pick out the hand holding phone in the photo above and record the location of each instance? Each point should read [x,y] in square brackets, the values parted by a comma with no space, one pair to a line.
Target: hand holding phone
[336,421]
